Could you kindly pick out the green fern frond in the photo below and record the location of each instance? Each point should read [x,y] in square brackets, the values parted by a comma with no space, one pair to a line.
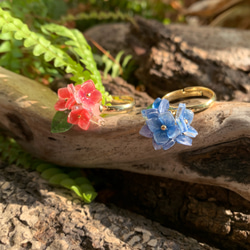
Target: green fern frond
[42,46]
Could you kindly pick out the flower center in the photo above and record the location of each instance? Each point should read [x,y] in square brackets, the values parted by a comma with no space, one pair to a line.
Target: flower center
[88,95]
[163,127]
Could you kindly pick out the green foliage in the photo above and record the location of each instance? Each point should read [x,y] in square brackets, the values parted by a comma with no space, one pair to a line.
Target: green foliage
[59,123]
[115,67]
[43,47]
[11,153]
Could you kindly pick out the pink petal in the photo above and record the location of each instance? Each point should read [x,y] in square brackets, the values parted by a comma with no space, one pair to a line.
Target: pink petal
[95,96]
[96,110]
[71,88]
[84,120]
[70,102]
[60,105]
[63,93]
[88,86]
[74,116]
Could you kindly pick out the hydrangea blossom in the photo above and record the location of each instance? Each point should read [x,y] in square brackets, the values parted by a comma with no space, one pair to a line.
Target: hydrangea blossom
[165,128]
[83,102]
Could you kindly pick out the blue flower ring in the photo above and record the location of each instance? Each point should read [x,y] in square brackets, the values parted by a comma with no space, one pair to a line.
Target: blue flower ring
[167,124]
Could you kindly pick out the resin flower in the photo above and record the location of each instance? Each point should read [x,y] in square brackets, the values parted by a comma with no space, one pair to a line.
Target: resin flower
[183,119]
[80,117]
[66,98]
[88,95]
[166,127]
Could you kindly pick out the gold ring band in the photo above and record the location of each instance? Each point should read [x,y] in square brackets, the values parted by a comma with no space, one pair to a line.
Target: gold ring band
[119,104]
[188,92]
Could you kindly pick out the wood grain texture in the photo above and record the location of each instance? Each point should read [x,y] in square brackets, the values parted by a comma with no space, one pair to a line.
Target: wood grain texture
[34,215]
[219,155]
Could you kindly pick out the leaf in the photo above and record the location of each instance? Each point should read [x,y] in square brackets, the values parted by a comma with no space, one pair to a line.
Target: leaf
[59,123]
[38,50]
[5,46]
[82,180]
[126,60]
[88,197]
[77,190]
[30,41]
[43,166]
[68,183]
[59,62]
[48,173]
[7,27]
[19,35]
[56,179]
[87,188]
[48,56]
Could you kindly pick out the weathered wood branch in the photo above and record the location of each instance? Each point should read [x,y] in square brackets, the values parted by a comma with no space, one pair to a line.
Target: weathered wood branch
[173,56]
[33,215]
[219,155]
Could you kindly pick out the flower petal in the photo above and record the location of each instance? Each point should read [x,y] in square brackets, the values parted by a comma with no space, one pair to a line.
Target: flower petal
[156,146]
[173,132]
[164,106]
[74,116]
[154,124]
[84,120]
[189,115]
[167,119]
[168,145]
[145,131]
[156,103]
[161,137]
[95,96]
[191,132]
[180,111]
[181,124]
[63,93]
[185,140]
[60,105]
[88,86]
[70,102]
[150,113]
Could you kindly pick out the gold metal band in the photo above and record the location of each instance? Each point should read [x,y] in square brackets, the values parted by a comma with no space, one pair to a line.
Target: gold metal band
[188,92]
[119,104]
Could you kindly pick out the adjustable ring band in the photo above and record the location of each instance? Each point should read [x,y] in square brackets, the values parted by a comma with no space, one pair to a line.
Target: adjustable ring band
[119,104]
[188,92]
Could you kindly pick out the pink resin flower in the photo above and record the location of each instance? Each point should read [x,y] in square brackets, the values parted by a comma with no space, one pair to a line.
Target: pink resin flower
[88,95]
[66,98]
[80,117]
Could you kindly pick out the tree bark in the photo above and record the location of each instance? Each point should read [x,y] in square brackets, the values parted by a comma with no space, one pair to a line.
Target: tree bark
[175,56]
[33,215]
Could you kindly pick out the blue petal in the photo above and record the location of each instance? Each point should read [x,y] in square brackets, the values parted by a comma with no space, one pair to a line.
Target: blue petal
[189,115]
[180,110]
[181,124]
[191,132]
[185,140]
[167,119]
[161,136]
[156,146]
[154,124]
[156,103]
[145,131]
[153,113]
[173,132]
[168,145]
[164,106]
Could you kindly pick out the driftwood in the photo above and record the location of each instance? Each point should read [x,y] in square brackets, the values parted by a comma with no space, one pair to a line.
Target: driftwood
[219,155]
[176,56]
[35,216]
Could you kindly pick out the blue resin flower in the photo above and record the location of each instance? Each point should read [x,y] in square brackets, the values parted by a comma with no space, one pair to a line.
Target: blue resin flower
[164,128]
